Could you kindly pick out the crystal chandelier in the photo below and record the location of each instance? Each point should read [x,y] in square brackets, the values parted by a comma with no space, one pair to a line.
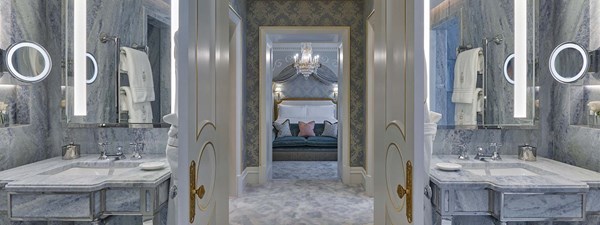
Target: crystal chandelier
[307,64]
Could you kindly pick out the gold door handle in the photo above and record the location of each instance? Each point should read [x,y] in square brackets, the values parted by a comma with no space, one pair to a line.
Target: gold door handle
[200,191]
[407,192]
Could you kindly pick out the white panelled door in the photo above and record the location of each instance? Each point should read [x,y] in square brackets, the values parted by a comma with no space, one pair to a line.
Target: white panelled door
[202,62]
[399,172]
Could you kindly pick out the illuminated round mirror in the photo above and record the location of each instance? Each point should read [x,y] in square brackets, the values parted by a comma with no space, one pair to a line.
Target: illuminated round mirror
[569,62]
[509,69]
[92,68]
[28,62]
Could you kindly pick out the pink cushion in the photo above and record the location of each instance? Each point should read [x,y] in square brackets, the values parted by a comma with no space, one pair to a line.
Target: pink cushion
[306,129]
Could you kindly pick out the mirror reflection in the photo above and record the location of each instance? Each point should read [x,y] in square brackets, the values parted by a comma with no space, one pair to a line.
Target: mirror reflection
[28,62]
[92,68]
[569,62]
[509,69]
[471,81]
[128,65]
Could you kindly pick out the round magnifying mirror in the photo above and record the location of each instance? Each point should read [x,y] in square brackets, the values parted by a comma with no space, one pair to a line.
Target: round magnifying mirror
[92,68]
[509,68]
[569,62]
[28,62]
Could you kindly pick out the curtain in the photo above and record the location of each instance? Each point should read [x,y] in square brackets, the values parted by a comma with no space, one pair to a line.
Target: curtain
[323,75]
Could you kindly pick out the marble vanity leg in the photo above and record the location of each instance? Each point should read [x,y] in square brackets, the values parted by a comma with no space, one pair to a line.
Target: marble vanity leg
[447,220]
[497,222]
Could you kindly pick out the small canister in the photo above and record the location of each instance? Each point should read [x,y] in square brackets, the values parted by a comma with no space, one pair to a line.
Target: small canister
[70,151]
[527,152]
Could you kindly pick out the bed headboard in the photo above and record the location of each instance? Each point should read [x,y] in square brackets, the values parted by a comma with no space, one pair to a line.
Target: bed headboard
[303,102]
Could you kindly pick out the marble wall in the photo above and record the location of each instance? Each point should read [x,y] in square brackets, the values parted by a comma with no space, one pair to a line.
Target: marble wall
[564,128]
[26,142]
[306,13]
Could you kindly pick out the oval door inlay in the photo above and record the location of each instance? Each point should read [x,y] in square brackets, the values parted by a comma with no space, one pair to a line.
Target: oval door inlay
[394,175]
[206,170]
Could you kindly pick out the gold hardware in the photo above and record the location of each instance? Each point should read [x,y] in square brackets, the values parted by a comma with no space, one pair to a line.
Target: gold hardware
[200,192]
[402,192]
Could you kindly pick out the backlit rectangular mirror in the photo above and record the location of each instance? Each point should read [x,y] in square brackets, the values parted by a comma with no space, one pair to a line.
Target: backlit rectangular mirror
[472,68]
[127,66]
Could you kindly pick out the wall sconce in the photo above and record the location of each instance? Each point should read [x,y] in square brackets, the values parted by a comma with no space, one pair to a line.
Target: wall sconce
[278,93]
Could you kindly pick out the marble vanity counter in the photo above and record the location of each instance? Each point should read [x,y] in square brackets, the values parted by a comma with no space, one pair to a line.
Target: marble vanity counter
[46,176]
[513,190]
[550,175]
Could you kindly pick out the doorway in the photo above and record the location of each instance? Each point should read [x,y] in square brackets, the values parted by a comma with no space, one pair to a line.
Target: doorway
[267,35]
[236,181]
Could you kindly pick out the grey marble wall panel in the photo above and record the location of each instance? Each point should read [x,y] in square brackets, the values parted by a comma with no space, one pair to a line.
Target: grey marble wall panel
[155,139]
[321,13]
[123,200]
[563,105]
[447,140]
[19,21]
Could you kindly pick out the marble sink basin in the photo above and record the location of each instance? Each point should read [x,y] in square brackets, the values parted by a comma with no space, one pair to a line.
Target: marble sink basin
[503,172]
[92,169]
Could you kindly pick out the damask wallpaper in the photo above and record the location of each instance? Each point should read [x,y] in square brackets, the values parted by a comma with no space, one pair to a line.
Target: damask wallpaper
[306,13]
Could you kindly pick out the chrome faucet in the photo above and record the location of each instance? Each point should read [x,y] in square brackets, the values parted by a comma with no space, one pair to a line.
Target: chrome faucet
[137,149]
[104,156]
[494,155]
[462,152]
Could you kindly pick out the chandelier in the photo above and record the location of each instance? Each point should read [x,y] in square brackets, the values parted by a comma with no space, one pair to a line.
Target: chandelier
[306,64]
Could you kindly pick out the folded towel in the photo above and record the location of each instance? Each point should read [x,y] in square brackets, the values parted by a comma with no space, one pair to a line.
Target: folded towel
[466,113]
[137,66]
[468,63]
[138,112]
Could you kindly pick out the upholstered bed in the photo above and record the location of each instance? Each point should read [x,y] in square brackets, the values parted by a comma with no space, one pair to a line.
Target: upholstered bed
[322,146]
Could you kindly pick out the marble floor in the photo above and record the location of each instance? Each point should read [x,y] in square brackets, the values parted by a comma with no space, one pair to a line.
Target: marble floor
[304,193]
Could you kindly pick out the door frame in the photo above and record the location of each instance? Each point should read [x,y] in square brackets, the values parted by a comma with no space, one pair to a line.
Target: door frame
[266,96]
[236,181]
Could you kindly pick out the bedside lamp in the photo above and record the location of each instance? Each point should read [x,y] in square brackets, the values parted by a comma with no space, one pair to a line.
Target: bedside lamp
[278,92]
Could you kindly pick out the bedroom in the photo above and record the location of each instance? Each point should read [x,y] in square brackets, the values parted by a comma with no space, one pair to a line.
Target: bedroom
[305,142]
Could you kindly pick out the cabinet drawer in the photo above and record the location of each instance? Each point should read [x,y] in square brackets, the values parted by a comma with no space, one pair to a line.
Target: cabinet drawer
[539,206]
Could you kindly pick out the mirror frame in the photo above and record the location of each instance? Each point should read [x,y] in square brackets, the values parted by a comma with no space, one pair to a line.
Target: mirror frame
[584,68]
[95,64]
[505,68]
[13,71]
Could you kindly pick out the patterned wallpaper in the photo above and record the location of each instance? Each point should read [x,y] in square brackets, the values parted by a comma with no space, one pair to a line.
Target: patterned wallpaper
[307,13]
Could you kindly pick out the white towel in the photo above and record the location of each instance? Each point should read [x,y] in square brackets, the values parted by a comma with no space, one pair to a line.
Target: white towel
[138,112]
[468,63]
[466,113]
[137,66]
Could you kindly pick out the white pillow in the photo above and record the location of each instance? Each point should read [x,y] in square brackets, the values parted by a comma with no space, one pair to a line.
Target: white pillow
[327,111]
[291,111]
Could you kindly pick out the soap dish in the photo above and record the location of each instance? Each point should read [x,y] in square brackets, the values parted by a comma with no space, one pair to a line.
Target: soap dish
[153,166]
[448,166]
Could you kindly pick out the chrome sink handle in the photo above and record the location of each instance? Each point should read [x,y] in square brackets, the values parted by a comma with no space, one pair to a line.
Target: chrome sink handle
[462,152]
[102,146]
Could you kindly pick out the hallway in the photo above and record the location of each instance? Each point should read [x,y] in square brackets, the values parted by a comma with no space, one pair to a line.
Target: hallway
[290,201]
